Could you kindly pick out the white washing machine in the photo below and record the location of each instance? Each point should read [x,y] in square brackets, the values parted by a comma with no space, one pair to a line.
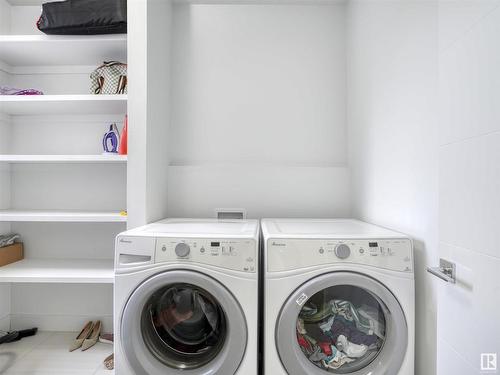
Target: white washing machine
[186,298]
[338,298]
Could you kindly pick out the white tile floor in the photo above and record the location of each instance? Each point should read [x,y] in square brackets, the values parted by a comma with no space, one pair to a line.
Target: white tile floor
[47,354]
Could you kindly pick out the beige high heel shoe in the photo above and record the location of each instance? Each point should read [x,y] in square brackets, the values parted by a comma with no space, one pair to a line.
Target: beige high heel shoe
[109,362]
[85,332]
[91,340]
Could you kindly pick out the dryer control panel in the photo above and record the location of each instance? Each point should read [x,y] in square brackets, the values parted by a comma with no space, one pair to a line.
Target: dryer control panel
[290,254]
[234,254]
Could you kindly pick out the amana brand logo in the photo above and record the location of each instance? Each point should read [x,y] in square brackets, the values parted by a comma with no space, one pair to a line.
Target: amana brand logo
[278,243]
[123,240]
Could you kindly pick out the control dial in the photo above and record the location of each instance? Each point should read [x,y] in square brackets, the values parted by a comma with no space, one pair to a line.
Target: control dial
[182,250]
[342,251]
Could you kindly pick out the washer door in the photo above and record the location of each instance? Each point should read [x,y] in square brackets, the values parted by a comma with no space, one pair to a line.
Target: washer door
[183,322]
[342,323]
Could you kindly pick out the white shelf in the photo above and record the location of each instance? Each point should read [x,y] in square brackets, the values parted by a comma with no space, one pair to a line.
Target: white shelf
[215,2]
[249,2]
[61,216]
[63,104]
[27,2]
[43,50]
[58,271]
[105,158]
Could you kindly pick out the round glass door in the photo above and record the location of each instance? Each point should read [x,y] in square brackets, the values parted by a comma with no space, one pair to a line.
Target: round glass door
[179,322]
[183,326]
[342,323]
[341,329]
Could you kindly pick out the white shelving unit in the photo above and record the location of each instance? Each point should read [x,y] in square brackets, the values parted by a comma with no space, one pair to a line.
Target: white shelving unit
[57,190]
[58,271]
[61,216]
[33,159]
[63,104]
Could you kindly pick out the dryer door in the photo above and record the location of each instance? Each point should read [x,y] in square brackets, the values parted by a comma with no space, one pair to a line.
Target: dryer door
[342,323]
[183,322]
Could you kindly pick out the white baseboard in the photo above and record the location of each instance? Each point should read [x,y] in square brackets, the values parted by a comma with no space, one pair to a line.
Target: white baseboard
[59,323]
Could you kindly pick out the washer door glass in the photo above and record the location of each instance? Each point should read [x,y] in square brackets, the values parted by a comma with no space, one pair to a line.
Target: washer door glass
[341,329]
[342,323]
[183,326]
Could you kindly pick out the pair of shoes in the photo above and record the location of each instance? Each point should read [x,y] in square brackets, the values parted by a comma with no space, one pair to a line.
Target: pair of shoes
[109,362]
[87,337]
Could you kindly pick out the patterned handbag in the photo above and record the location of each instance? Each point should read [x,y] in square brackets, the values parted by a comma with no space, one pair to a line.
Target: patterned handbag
[110,78]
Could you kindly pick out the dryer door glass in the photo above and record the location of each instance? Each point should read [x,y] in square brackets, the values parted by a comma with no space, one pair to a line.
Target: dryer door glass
[183,326]
[341,329]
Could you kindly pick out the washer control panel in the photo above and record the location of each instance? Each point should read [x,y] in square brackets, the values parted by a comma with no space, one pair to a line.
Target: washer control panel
[291,254]
[234,254]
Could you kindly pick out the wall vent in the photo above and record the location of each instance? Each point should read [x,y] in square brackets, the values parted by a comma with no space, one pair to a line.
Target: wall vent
[230,213]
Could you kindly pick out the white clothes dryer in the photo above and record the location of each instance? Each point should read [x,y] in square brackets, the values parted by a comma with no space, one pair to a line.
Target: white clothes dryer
[338,298]
[186,298]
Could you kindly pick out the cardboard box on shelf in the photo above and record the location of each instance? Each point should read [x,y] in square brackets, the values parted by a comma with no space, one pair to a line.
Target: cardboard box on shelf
[11,254]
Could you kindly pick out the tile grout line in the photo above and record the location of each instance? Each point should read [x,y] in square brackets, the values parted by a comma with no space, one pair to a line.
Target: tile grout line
[469,138]
[496,258]
[469,30]
[460,355]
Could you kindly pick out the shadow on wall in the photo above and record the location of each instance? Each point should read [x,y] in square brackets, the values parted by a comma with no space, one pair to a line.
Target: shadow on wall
[424,338]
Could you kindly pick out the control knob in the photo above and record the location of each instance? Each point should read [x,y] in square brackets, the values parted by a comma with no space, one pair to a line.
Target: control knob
[342,251]
[182,250]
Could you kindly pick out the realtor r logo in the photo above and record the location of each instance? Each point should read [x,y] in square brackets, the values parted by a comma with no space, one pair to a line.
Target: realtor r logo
[489,362]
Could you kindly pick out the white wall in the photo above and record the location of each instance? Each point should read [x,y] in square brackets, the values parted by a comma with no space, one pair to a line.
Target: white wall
[69,240]
[263,190]
[98,187]
[258,110]
[54,80]
[258,84]
[76,135]
[392,60]
[469,54]
[159,106]
[23,19]
[5,20]
[19,20]
[53,307]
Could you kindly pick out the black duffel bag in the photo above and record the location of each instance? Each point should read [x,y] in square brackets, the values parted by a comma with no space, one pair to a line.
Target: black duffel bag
[84,17]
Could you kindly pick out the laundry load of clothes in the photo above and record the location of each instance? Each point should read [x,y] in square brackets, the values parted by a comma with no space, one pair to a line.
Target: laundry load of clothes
[337,333]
